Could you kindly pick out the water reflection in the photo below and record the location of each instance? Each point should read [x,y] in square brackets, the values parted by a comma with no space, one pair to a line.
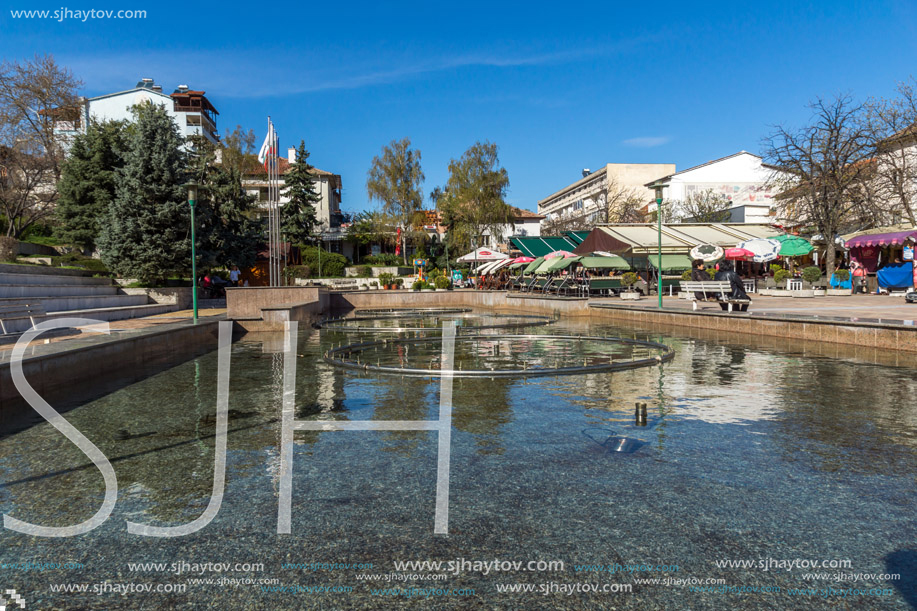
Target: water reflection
[747,448]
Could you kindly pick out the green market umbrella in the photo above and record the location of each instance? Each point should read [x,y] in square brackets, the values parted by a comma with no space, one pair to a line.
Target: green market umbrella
[533,265]
[559,263]
[793,245]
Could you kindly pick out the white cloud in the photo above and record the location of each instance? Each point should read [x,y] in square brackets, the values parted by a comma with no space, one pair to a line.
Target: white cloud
[647,141]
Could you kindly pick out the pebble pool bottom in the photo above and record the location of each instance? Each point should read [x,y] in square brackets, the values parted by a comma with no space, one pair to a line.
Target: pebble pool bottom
[753,456]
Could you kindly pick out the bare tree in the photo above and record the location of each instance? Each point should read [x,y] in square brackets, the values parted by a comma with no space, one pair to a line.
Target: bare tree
[35,95]
[892,127]
[620,204]
[706,206]
[821,170]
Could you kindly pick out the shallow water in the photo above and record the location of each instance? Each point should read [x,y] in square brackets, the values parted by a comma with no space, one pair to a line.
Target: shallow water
[749,454]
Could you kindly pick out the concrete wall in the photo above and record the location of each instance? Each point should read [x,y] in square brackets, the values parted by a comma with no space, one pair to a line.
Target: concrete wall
[247,302]
[180,296]
[69,378]
[866,337]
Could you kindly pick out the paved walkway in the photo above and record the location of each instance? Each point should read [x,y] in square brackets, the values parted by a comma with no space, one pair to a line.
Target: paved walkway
[862,308]
[131,324]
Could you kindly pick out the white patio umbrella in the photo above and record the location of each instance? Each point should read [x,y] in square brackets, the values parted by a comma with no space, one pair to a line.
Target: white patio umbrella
[707,252]
[765,249]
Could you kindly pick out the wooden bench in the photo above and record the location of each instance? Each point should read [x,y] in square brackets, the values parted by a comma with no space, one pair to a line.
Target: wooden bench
[19,311]
[714,290]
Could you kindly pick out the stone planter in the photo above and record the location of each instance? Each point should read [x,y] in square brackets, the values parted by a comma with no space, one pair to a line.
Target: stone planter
[781,293]
[803,293]
[837,292]
[630,295]
[819,291]
[441,290]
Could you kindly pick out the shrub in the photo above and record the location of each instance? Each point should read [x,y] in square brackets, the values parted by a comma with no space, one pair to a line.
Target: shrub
[629,279]
[332,264]
[76,260]
[364,271]
[418,285]
[782,275]
[775,267]
[298,271]
[842,274]
[399,282]
[383,259]
[686,275]
[8,248]
[441,282]
[711,272]
[811,274]
[385,279]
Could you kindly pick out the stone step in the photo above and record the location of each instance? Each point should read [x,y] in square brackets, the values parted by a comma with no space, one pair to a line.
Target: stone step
[32,279]
[78,302]
[16,291]
[22,324]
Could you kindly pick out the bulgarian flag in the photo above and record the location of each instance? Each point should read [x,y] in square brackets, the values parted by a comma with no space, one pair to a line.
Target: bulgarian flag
[268,150]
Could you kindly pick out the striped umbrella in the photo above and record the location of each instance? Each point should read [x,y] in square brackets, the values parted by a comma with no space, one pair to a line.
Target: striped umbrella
[764,250]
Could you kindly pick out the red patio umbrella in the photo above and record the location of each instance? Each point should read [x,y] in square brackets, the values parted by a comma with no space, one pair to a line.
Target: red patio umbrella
[738,254]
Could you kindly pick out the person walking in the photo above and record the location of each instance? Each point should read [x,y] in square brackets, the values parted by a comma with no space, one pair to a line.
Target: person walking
[234,276]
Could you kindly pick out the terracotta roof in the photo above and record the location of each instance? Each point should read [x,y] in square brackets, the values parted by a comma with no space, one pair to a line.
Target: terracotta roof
[526,214]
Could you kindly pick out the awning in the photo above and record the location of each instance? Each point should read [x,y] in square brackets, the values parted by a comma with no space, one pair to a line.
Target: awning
[881,239]
[599,239]
[540,246]
[576,237]
[671,262]
[597,262]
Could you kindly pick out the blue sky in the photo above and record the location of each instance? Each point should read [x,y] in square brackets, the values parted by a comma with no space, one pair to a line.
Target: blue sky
[557,86]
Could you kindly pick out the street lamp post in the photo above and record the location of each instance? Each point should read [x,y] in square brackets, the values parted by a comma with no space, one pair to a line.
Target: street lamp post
[192,198]
[659,236]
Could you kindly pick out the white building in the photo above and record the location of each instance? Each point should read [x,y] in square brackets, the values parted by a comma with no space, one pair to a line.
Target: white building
[327,186]
[585,198]
[191,110]
[741,178]
[525,223]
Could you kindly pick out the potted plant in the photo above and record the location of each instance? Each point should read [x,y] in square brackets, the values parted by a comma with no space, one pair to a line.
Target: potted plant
[418,284]
[442,283]
[399,283]
[628,280]
[780,278]
[385,279]
[841,275]
[811,275]
[373,284]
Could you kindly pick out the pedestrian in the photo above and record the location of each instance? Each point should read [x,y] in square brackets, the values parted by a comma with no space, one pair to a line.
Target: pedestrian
[234,276]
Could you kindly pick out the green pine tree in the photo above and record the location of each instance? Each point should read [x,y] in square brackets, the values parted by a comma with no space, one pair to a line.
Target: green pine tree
[297,216]
[226,233]
[87,185]
[147,234]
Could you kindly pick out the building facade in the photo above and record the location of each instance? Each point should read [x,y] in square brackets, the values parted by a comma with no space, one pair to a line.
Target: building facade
[194,114]
[327,186]
[742,179]
[586,199]
[525,224]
